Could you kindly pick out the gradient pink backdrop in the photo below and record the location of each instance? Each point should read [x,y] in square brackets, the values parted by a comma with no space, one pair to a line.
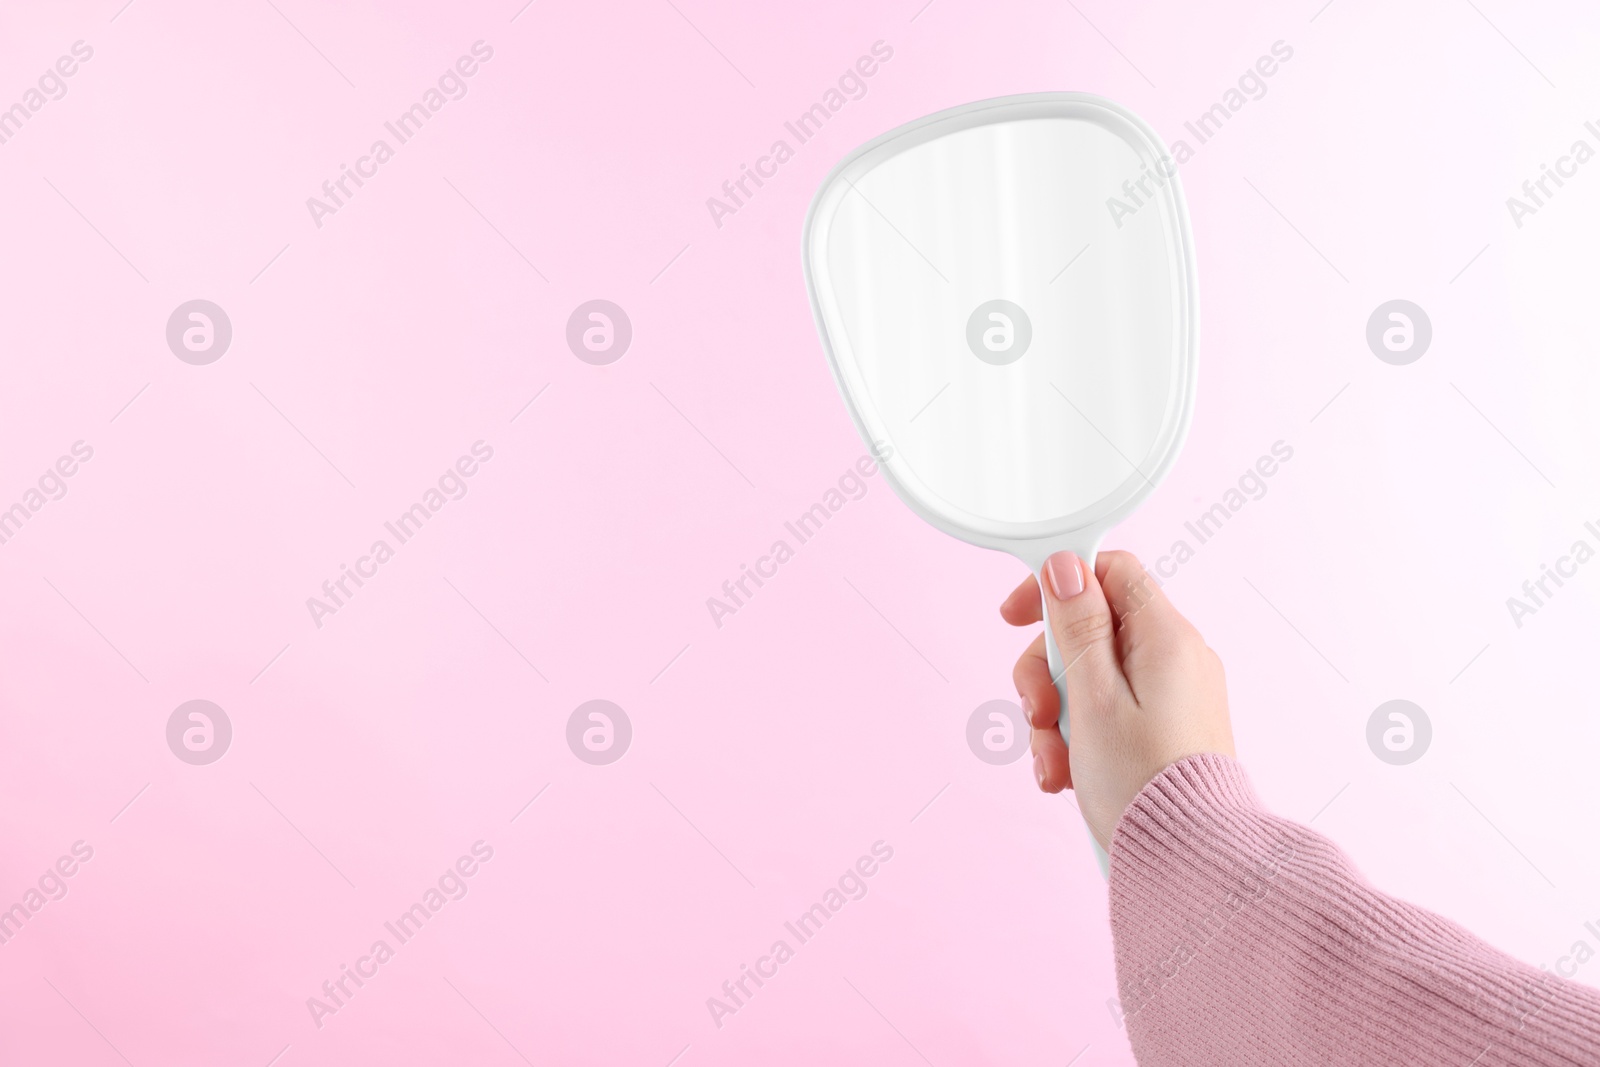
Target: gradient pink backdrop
[769,753]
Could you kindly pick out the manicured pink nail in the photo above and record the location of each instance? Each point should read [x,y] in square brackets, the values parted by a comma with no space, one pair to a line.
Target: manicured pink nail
[1027,711]
[1038,770]
[1065,574]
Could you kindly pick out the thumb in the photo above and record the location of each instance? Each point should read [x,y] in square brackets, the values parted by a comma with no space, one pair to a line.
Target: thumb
[1080,621]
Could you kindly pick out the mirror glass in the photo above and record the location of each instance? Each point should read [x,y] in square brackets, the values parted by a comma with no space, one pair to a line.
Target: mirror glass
[1005,304]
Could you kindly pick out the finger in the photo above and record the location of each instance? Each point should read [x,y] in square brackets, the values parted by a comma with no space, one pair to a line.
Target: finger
[1080,620]
[1041,704]
[1131,591]
[1052,768]
[1023,606]
[1146,619]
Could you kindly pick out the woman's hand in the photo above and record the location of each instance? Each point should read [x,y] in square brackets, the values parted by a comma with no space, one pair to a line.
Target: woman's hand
[1143,690]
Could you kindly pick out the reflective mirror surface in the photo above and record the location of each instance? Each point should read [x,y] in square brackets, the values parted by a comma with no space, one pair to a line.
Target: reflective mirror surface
[1021,339]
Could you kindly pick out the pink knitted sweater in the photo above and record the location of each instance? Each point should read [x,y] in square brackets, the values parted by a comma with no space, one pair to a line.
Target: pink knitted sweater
[1242,938]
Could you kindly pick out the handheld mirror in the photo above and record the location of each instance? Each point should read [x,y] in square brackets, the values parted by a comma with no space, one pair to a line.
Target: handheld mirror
[1006,294]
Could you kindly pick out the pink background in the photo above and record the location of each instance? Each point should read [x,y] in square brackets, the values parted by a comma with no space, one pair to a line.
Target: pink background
[768,754]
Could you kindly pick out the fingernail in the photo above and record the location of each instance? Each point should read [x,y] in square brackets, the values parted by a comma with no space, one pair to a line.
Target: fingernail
[1038,770]
[1027,711]
[1065,573]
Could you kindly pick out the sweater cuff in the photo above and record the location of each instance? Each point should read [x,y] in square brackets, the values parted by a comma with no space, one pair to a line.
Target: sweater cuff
[1206,795]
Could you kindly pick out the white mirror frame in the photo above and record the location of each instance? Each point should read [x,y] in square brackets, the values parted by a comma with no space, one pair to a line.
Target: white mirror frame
[1080,532]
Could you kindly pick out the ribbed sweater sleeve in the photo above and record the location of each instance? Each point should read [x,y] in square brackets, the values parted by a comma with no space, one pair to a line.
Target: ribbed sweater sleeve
[1242,938]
